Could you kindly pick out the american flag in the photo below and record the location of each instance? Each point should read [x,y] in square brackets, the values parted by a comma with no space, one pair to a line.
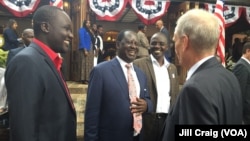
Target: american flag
[57,3]
[221,45]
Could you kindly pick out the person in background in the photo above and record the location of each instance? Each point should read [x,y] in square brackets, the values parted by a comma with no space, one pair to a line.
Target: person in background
[143,41]
[211,94]
[86,51]
[27,37]
[40,105]
[237,49]
[10,35]
[163,85]
[242,72]
[160,26]
[98,47]
[109,111]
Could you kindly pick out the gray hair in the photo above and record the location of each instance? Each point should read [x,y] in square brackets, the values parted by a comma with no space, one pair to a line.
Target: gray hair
[201,27]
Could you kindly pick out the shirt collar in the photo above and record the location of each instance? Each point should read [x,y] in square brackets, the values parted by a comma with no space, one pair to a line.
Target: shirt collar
[166,63]
[246,60]
[55,58]
[123,63]
[196,66]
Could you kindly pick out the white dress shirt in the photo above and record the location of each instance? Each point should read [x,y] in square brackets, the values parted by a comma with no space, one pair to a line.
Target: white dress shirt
[162,85]
[123,65]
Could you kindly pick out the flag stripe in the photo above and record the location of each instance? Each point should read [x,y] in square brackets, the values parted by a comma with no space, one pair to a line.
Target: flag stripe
[221,44]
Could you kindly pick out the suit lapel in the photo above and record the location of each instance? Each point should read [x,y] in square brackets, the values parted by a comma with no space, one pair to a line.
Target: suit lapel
[118,73]
[140,79]
[151,69]
[56,73]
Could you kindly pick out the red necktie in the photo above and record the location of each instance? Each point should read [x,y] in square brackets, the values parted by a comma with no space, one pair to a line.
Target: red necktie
[132,94]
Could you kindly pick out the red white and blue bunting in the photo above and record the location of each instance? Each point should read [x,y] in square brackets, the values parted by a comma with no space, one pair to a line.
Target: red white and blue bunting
[109,10]
[20,8]
[248,14]
[149,11]
[231,13]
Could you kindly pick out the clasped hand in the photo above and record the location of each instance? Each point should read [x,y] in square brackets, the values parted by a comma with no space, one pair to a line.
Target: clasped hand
[139,106]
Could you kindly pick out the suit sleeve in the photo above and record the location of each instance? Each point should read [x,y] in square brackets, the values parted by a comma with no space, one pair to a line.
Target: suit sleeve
[24,87]
[93,106]
[240,71]
[12,37]
[144,90]
[82,36]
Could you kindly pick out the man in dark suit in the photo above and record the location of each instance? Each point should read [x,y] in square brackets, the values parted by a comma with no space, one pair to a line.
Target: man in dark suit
[40,106]
[160,26]
[27,36]
[109,112]
[163,85]
[211,94]
[242,72]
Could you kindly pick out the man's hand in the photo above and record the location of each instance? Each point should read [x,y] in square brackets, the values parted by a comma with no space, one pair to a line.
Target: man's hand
[139,106]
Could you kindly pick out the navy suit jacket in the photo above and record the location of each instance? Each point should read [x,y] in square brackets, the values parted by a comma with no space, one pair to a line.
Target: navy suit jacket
[107,115]
[211,96]
[39,107]
[10,39]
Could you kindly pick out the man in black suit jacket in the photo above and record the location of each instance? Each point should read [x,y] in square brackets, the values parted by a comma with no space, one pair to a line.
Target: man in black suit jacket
[242,72]
[211,94]
[40,106]
[27,36]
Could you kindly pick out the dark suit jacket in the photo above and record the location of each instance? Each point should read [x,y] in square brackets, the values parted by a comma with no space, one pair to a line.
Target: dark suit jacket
[12,53]
[107,115]
[10,39]
[210,97]
[39,106]
[145,64]
[242,72]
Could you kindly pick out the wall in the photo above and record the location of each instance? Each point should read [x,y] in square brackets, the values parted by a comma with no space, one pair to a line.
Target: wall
[22,23]
[113,26]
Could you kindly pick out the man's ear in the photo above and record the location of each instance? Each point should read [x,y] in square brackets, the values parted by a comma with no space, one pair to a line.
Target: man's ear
[185,41]
[117,45]
[45,27]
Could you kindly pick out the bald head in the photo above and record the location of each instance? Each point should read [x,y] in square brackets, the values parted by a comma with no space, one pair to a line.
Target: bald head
[27,36]
[159,24]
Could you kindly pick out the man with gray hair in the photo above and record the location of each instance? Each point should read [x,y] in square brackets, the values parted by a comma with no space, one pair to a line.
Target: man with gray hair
[211,94]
